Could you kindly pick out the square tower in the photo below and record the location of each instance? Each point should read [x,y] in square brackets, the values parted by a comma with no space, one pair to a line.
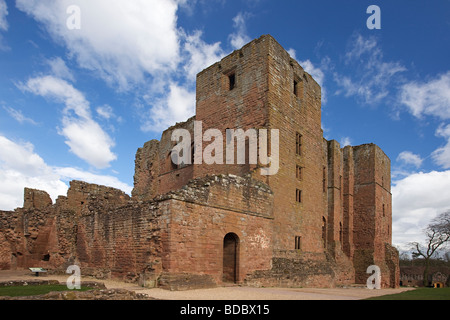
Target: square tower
[261,87]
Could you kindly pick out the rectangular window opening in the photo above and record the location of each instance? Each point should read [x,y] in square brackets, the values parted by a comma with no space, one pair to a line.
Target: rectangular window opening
[298,243]
[299,173]
[232,81]
[298,144]
[299,196]
[298,88]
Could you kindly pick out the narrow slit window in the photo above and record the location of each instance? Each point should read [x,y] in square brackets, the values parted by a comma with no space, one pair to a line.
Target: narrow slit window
[299,173]
[232,81]
[298,243]
[299,196]
[298,144]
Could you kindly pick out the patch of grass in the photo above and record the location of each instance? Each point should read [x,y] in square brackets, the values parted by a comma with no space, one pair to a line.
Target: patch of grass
[26,291]
[418,294]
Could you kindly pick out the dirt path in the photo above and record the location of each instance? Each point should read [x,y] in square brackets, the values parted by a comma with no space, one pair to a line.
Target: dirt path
[224,293]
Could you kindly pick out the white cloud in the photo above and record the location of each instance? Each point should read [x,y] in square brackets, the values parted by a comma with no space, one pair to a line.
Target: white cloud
[121,41]
[442,155]
[177,106]
[19,116]
[85,137]
[108,181]
[105,112]
[372,76]
[200,54]
[346,141]
[317,74]
[240,37]
[3,14]
[88,141]
[133,45]
[417,199]
[59,69]
[410,158]
[21,166]
[360,46]
[292,53]
[430,98]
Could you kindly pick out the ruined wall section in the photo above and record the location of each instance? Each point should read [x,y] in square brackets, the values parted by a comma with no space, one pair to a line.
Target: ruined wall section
[123,243]
[27,234]
[201,215]
[155,172]
[42,234]
[146,172]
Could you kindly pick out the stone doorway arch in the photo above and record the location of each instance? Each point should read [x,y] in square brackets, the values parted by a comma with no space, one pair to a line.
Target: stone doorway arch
[231,258]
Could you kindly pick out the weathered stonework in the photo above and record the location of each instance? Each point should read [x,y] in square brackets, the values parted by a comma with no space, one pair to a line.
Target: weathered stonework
[199,225]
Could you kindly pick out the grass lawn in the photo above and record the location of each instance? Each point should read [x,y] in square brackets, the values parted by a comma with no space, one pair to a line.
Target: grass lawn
[419,294]
[25,291]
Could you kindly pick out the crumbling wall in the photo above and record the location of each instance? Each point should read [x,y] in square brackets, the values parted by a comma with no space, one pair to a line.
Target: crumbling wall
[155,172]
[202,214]
[124,242]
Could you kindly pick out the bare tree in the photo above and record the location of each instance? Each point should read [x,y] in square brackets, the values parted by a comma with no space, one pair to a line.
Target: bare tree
[437,236]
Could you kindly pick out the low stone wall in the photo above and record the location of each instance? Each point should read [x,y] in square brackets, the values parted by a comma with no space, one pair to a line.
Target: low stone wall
[296,269]
[106,294]
[98,292]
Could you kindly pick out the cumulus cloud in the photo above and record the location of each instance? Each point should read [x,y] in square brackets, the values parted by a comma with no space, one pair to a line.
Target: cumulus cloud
[21,166]
[200,54]
[417,199]
[134,46]
[121,41]
[317,74]
[240,37]
[69,173]
[345,141]
[442,155]
[430,98]
[85,137]
[177,106]
[410,158]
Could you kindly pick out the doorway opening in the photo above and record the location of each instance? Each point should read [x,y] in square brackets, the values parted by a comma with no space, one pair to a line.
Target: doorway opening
[230,258]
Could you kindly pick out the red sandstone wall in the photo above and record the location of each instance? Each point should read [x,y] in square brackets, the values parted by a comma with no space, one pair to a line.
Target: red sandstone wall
[296,113]
[199,223]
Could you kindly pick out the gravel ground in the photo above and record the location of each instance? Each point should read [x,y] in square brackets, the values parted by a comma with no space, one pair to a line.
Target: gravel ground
[224,293]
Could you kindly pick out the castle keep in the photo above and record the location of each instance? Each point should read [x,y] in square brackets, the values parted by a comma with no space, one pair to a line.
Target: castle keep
[320,221]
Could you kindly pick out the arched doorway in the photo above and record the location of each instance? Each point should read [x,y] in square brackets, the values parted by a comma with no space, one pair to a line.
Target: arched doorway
[230,258]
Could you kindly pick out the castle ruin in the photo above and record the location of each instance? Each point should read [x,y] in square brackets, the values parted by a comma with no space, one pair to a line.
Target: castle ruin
[320,221]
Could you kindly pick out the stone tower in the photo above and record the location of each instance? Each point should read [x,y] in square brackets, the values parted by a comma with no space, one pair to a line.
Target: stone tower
[328,202]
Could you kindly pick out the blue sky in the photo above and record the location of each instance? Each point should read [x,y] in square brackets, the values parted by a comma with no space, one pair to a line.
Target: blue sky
[76,103]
